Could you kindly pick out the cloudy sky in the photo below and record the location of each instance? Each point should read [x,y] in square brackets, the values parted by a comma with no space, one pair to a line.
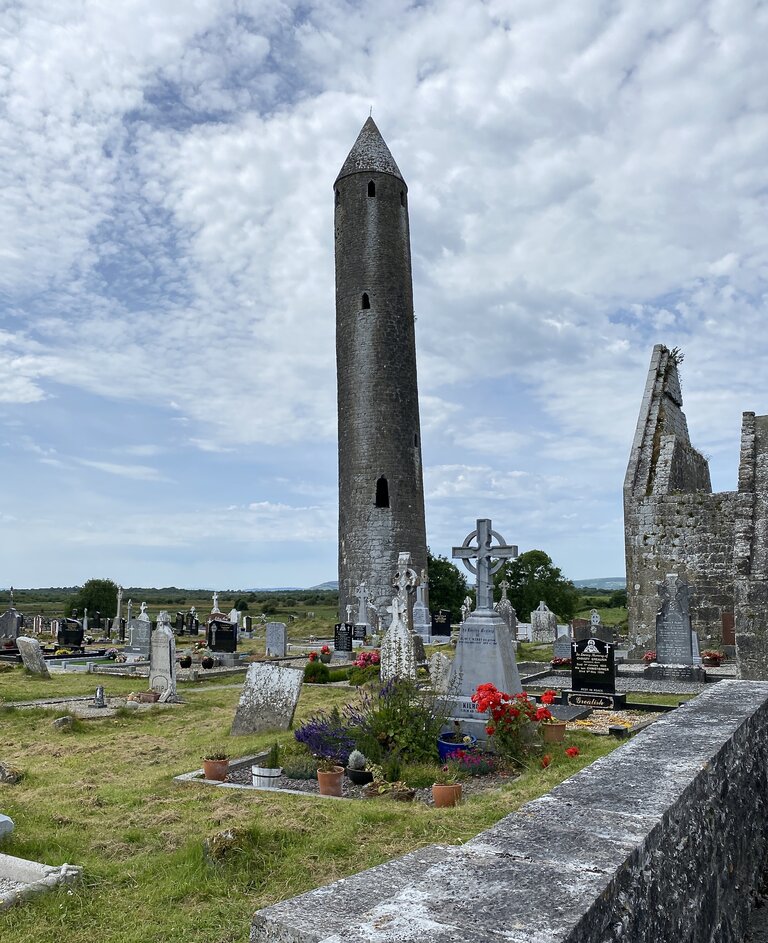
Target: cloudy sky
[586,179]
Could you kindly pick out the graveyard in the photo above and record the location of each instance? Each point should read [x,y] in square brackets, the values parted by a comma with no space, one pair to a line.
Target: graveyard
[103,756]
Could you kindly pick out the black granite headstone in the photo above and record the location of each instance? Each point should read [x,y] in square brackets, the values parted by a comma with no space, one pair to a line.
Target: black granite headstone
[180,623]
[441,623]
[70,634]
[342,637]
[592,666]
[358,633]
[222,636]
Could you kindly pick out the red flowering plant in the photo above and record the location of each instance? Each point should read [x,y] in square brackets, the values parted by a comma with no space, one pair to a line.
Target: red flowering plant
[510,719]
[325,650]
[368,659]
[572,752]
[649,657]
[560,663]
[313,656]
[543,714]
[545,760]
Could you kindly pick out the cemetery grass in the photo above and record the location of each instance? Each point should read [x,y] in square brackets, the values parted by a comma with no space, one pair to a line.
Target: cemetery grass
[102,797]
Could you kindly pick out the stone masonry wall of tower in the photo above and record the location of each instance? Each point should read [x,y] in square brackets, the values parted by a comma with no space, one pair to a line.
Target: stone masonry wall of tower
[378,409]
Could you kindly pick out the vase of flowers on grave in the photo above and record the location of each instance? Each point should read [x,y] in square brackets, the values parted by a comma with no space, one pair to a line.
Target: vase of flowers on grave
[267,776]
[325,655]
[215,766]
[446,790]
[711,658]
[452,740]
[329,778]
[185,661]
[552,728]
[357,770]
[206,661]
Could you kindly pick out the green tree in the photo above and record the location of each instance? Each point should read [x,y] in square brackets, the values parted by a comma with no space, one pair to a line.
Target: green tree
[241,605]
[533,577]
[447,585]
[96,596]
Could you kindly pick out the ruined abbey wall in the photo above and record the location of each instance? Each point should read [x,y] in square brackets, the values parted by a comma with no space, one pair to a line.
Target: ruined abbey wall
[673,522]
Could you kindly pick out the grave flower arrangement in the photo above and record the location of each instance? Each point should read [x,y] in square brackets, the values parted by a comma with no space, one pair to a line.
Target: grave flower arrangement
[368,659]
[510,720]
[649,657]
[712,657]
[543,714]
[560,663]
[472,763]
[111,653]
[313,656]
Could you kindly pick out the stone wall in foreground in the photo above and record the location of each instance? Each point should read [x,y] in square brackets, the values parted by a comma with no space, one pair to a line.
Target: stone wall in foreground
[662,840]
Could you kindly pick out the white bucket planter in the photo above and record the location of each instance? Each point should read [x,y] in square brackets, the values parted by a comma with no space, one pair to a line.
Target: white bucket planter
[266,777]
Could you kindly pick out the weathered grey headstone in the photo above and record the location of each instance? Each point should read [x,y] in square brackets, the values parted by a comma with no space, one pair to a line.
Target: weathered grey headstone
[6,825]
[398,658]
[234,616]
[506,611]
[673,623]
[99,700]
[696,653]
[439,672]
[485,651]
[140,633]
[248,623]
[162,657]
[32,655]
[11,623]
[268,699]
[277,640]
[543,624]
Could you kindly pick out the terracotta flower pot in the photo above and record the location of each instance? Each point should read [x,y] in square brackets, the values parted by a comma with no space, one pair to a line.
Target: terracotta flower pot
[553,733]
[330,782]
[215,769]
[446,796]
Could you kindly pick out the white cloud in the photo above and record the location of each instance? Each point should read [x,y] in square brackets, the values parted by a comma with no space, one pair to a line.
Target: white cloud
[585,180]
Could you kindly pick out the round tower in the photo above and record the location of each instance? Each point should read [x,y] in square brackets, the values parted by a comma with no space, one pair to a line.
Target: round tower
[381,494]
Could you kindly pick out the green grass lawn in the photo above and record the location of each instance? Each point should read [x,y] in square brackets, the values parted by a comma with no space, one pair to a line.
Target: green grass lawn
[102,797]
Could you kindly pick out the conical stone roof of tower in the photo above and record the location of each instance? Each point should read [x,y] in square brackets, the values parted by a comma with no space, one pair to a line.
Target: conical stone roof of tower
[370,154]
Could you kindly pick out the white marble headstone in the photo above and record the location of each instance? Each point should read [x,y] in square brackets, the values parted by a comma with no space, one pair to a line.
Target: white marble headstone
[398,658]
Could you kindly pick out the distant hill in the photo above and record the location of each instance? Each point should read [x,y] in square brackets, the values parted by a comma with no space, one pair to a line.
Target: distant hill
[331,584]
[603,582]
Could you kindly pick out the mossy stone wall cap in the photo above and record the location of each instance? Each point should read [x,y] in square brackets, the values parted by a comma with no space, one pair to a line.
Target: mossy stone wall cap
[369,154]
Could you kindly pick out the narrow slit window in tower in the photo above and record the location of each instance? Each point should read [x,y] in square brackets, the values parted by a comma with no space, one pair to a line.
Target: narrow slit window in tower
[371,188]
[338,198]
[402,198]
[382,493]
[416,439]
[366,303]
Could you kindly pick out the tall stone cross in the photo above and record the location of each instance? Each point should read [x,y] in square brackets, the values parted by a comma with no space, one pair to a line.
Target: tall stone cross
[484,553]
[504,586]
[361,595]
[405,578]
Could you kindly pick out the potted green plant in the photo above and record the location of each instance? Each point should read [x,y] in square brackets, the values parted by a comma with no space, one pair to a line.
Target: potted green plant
[446,790]
[357,769]
[329,777]
[267,776]
[215,766]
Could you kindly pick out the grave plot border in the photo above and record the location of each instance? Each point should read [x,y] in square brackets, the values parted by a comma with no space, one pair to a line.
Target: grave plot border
[196,777]
[34,878]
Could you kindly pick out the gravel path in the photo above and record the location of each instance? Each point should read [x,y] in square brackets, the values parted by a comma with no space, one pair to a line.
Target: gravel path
[8,887]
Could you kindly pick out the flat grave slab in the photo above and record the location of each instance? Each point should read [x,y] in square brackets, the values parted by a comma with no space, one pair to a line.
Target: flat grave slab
[21,878]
